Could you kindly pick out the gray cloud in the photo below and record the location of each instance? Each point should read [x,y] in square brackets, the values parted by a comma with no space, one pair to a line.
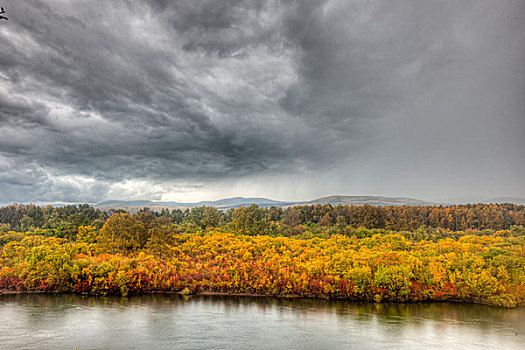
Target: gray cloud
[146,99]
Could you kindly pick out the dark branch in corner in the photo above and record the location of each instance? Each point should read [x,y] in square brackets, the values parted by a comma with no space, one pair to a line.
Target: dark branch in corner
[2,11]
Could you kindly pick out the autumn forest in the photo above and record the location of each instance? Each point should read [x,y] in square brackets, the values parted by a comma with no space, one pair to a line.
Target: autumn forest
[468,253]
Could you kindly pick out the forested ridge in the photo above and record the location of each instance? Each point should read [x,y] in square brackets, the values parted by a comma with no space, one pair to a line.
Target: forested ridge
[473,253]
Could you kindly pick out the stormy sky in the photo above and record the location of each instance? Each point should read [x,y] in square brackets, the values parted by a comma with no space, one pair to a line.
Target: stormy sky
[204,99]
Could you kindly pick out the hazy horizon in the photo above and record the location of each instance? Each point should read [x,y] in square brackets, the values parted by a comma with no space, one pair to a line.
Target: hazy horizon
[288,100]
[443,201]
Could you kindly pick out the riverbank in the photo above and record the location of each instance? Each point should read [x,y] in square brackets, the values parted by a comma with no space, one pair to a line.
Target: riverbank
[254,295]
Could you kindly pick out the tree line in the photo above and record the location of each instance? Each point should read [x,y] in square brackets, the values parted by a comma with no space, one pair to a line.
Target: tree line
[296,220]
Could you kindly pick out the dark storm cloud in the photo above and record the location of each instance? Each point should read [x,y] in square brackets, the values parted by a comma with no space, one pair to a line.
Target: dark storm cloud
[137,98]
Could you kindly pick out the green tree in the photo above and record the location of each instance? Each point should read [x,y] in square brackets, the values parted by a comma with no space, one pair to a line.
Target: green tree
[249,220]
[211,217]
[160,236]
[122,233]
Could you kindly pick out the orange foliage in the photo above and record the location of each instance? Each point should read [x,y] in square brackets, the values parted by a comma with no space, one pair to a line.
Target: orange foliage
[481,269]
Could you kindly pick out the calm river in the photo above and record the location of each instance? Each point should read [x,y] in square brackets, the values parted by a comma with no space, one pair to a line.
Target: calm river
[35,321]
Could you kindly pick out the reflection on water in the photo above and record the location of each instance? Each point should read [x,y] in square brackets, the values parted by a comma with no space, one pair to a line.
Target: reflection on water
[35,321]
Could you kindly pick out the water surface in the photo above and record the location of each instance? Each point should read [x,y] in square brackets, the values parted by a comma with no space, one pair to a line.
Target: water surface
[38,321]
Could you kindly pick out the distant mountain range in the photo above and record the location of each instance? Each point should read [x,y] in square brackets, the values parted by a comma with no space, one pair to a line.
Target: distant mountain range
[226,203]
[370,200]
[235,202]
